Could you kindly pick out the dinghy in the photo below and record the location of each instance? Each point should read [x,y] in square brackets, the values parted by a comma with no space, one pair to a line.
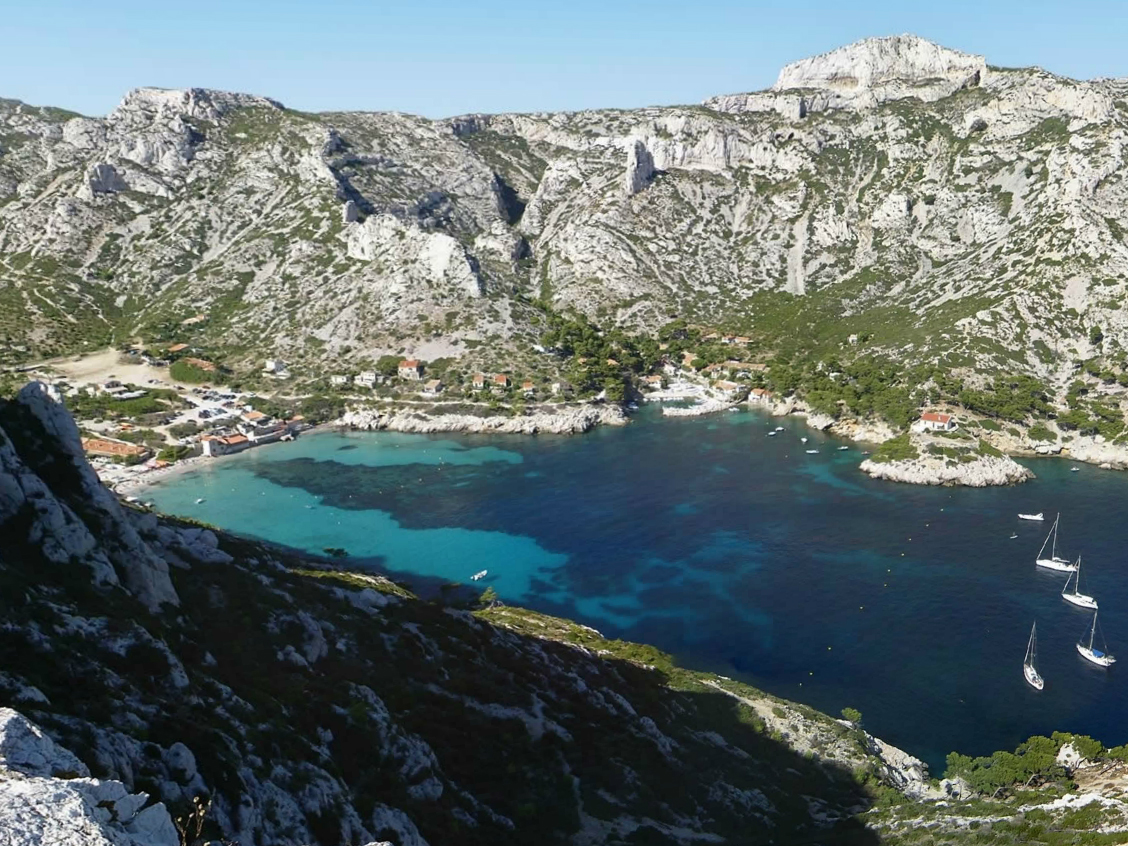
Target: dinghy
[1054,562]
[1075,596]
[812,451]
[1029,664]
[1037,516]
[1100,657]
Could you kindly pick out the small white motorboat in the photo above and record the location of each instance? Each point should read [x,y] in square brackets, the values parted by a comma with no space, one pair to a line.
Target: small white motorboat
[1013,535]
[804,440]
[1100,657]
[772,434]
[477,577]
[779,428]
[198,501]
[812,451]
[1074,469]
[1039,516]
[843,448]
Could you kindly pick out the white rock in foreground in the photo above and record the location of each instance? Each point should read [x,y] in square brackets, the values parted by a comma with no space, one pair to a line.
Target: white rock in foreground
[984,472]
[38,808]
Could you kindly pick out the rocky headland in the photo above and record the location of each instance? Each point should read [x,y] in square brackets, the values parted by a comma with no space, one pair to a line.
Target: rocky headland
[983,471]
[563,421]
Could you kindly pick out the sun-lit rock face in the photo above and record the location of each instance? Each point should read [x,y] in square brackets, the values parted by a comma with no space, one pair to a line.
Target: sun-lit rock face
[878,69]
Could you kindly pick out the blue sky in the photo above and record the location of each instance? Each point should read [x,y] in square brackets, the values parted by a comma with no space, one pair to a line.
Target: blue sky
[446,57]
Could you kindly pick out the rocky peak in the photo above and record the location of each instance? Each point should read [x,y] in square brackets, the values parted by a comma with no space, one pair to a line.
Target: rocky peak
[879,69]
[198,103]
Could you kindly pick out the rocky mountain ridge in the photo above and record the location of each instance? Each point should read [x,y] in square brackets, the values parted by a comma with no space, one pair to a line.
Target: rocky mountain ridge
[942,209]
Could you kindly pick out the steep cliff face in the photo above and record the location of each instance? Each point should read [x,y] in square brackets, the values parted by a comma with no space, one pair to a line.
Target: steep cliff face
[314,706]
[948,211]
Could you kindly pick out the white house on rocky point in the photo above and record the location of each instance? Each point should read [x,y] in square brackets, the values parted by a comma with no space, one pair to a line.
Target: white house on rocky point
[366,378]
[935,421]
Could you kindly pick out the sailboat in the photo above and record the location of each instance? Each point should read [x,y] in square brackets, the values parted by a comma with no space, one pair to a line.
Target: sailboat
[1029,664]
[1054,562]
[1075,596]
[1100,657]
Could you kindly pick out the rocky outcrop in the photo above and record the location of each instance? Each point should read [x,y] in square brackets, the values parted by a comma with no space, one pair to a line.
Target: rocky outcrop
[875,70]
[48,797]
[564,421]
[52,501]
[640,167]
[984,471]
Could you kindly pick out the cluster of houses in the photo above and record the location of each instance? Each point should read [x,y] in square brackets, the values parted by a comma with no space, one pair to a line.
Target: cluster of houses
[114,388]
[253,429]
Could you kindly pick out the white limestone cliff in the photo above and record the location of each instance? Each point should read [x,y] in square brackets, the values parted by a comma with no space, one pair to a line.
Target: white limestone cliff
[875,70]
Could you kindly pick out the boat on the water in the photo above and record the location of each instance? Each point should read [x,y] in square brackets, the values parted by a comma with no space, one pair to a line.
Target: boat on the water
[812,451]
[779,428]
[198,501]
[804,440]
[1030,663]
[1013,535]
[1039,516]
[1074,469]
[1075,596]
[843,448]
[477,577]
[1054,562]
[1100,657]
[772,434]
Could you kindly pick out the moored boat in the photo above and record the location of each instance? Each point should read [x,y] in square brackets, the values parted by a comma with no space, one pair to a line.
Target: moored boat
[1030,663]
[1054,562]
[477,577]
[1075,596]
[1039,517]
[1100,657]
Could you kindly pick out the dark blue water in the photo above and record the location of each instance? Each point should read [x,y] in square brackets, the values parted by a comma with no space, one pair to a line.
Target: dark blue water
[737,552]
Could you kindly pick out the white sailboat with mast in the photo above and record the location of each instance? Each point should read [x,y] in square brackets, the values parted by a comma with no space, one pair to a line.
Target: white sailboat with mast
[1054,562]
[1075,596]
[1030,664]
[1100,657]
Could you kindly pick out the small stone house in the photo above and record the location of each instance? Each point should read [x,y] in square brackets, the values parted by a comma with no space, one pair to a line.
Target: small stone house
[500,380]
[366,379]
[760,395]
[529,388]
[479,381]
[338,380]
[433,387]
[410,369]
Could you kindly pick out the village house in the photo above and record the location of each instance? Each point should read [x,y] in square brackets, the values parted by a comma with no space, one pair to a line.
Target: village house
[653,382]
[760,395]
[936,421]
[669,368]
[366,379]
[559,388]
[479,381]
[726,386]
[529,388]
[500,380]
[338,380]
[114,449]
[214,445]
[410,369]
[274,365]
[739,369]
[433,387]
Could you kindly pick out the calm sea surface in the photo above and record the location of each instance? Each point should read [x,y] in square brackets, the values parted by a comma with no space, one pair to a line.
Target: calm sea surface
[737,552]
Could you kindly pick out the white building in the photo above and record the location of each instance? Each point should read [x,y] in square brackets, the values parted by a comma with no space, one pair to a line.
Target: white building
[366,378]
[936,421]
[274,365]
[338,380]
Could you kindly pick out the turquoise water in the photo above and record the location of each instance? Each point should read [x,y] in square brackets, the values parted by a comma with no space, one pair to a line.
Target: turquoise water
[735,551]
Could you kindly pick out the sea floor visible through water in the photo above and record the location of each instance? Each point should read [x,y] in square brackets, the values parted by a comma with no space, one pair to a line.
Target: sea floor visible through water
[737,552]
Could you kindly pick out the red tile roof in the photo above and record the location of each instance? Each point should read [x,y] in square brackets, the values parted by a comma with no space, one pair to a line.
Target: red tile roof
[935,417]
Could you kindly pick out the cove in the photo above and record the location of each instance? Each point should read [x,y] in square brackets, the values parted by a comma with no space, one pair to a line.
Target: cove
[737,552]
